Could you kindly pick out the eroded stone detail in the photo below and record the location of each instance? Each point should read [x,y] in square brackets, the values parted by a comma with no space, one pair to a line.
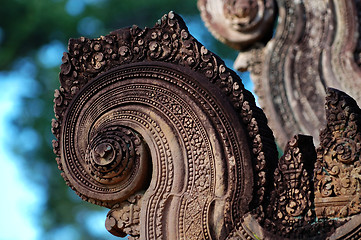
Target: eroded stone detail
[152,125]
[316,45]
[291,200]
[338,169]
[238,23]
[196,132]
[124,218]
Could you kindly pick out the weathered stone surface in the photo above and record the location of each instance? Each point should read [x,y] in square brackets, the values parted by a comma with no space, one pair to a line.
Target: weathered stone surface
[338,169]
[153,111]
[290,206]
[155,127]
[239,23]
[316,45]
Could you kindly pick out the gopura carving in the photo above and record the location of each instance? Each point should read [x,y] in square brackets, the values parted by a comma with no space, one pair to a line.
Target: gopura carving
[155,127]
[316,45]
[338,169]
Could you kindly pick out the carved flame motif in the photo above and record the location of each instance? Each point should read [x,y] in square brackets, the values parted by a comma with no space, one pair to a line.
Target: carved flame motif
[291,203]
[338,182]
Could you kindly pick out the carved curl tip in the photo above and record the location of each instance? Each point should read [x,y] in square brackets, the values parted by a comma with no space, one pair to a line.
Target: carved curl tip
[153,111]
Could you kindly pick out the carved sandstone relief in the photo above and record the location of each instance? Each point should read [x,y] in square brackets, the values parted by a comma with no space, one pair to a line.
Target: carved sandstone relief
[149,119]
[238,23]
[316,45]
[155,127]
[338,168]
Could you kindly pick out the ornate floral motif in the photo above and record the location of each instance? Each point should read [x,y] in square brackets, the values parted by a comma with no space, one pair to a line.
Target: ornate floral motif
[189,119]
[338,168]
[124,218]
[112,153]
[152,125]
[291,200]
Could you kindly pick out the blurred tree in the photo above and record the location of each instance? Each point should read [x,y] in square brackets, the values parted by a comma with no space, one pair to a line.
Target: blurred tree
[34,33]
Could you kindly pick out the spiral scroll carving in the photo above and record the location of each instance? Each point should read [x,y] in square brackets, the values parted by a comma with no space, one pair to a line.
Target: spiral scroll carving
[112,154]
[152,125]
[153,113]
[102,155]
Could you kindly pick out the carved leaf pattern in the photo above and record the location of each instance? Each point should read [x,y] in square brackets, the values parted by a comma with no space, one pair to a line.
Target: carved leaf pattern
[124,218]
[338,164]
[291,200]
[337,172]
[168,41]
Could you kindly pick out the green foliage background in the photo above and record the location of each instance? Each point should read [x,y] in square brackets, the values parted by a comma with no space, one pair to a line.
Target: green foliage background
[27,29]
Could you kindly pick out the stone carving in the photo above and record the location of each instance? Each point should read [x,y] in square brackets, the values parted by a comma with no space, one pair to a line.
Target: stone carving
[238,23]
[143,103]
[338,179]
[303,204]
[316,45]
[155,127]
[124,218]
[290,205]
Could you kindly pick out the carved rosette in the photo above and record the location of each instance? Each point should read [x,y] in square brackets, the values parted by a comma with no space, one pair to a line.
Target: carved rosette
[238,23]
[151,124]
[338,168]
[112,155]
